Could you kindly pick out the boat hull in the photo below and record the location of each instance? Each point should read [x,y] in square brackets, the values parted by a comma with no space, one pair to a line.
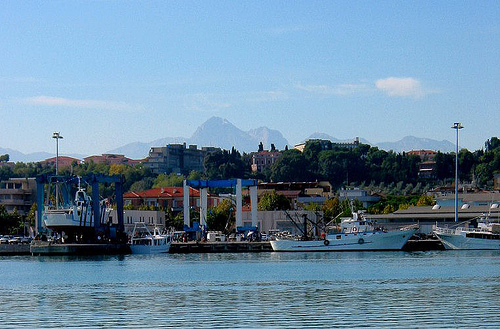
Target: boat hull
[368,241]
[459,241]
[147,249]
[65,220]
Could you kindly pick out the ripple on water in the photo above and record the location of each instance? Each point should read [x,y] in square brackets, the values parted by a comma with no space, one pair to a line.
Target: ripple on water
[143,295]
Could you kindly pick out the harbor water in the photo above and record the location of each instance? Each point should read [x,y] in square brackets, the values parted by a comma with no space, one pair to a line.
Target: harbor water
[439,289]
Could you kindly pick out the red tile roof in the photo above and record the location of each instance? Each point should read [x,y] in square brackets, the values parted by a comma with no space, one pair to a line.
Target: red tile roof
[162,192]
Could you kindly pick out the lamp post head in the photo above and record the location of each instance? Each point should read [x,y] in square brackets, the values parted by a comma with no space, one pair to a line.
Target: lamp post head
[56,135]
[457,125]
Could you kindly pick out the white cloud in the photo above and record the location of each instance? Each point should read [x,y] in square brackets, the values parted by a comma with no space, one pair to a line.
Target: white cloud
[79,103]
[341,90]
[404,87]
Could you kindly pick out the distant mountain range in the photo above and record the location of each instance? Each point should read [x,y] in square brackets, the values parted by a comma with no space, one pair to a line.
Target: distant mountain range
[16,156]
[215,132]
[406,144]
[221,133]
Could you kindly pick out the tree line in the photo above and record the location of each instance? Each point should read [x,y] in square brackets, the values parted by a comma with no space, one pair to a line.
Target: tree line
[362,165]
[365,164]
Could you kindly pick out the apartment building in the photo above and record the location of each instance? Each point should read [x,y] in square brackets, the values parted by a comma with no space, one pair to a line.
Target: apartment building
[177,158]
[327,144]
[18,194]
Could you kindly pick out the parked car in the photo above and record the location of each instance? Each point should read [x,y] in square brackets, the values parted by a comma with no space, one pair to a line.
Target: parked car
[14,240]
[25,240]
[4,239]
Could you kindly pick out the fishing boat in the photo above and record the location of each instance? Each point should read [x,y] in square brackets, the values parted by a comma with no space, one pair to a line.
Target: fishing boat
[142,241]
[476,234]
[76,214]
[355,234]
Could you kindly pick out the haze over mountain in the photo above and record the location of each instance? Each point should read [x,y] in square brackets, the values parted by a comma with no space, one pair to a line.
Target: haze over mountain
[409,143]
[336,140]
[405,144]
[221,133]
[16,156]
[215,132]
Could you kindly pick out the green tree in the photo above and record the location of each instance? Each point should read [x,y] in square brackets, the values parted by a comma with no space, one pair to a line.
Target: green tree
[10,223]
[221,217]
[425,200]
[445,165]
[225,165]
[141,185]
[273,201]
[291,167]
[169,180]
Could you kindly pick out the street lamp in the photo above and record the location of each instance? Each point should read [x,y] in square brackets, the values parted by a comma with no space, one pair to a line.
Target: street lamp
[57,136]
[456,126]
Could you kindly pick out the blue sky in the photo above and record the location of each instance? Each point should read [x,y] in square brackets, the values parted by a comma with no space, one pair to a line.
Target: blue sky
[107,73]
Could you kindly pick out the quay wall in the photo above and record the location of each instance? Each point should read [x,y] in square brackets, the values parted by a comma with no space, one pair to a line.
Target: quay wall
[14,249]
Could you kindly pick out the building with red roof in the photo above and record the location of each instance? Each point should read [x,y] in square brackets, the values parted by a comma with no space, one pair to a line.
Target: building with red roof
[167,198]
[62,161]
[423,154]
[113,159]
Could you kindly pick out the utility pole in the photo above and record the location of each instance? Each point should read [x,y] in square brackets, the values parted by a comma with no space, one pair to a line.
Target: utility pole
[57,137]
[456,126]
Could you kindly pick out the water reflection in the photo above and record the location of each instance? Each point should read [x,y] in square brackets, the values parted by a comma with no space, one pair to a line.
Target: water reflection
[274,290]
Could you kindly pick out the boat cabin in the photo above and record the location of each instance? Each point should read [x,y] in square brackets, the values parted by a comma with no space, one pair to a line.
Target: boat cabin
[357,223]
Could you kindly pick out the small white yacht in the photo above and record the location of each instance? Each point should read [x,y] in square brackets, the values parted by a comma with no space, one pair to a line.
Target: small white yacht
[355,234]
[142,241]
[480,233]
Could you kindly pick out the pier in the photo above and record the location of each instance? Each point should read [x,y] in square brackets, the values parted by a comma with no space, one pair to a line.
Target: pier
[43,248]
[14,249]
[219,247]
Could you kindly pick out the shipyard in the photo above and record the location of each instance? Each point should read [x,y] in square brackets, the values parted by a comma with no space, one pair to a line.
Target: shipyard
[70,228]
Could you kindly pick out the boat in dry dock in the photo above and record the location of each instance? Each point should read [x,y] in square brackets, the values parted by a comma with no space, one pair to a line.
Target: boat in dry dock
[74,215]
[355,234]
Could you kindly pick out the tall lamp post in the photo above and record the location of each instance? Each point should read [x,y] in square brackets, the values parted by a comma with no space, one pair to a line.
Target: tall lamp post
[456,126]
[57,137]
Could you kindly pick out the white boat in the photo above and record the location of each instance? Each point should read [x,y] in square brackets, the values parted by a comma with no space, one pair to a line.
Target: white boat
[142,241]
[485,235]
[78,214]
[356,234]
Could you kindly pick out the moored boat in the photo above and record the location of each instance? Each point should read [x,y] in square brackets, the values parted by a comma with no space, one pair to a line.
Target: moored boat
[480,233]
[142,241]
[355,234]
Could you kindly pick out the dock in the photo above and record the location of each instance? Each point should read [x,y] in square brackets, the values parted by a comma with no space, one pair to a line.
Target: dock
[43,248]
[14,249]
[219,247]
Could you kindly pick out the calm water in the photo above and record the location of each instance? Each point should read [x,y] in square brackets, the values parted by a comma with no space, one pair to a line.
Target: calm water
[273,290]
